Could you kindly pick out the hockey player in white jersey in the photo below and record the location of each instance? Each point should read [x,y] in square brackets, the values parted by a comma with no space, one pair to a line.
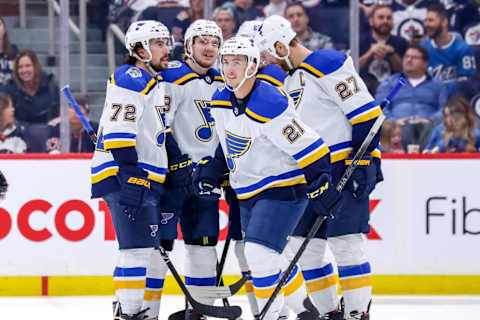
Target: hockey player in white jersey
[129,167]
[273,160]
[295,290]
[330,96]
[189,88]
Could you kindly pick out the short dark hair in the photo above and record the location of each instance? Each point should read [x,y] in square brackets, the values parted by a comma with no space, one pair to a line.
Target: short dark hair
[378,7]
[294,4]
[422,50]
[439,9]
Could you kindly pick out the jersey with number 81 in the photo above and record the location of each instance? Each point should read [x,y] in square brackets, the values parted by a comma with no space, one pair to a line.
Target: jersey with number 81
[133,116]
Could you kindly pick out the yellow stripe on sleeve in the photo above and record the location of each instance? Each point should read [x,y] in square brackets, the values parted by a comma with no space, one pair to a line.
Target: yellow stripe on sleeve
[119,144]
[104,174]
[372,114]
[314,157]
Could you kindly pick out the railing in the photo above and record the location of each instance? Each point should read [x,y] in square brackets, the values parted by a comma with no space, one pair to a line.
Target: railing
[113,30]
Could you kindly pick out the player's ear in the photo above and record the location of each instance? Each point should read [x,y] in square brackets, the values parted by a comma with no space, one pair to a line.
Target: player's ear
[280,49]
[142,53]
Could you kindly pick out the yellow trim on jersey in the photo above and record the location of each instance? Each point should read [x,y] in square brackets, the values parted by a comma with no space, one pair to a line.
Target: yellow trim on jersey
[104,175]
[321,284]
[112,78]
[138,284]
[295,284]
[156,178]
[218,78]
[364,162]
[149,85]
[371,114]
[312,69]
[339,156]
[319,153]
[376,153]
[270,79]
[150,295]
[220,103]
[265,293]
[119,144]
[185,78]
[256,116]
[356,283]
[287,183]
[248,286]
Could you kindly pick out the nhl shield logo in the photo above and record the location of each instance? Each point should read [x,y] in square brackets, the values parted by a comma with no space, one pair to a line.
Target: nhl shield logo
[154,230]
[235,111]
[208,79]
[236,146]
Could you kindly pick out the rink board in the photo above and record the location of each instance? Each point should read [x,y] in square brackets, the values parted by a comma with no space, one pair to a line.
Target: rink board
[425,220]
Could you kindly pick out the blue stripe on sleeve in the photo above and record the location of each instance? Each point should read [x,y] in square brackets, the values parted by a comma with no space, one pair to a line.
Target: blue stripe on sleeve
[103,166]
[363,108]
[308,149]
[119,135]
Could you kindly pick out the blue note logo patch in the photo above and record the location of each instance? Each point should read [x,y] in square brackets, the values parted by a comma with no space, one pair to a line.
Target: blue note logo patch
[166,216]
[236,147]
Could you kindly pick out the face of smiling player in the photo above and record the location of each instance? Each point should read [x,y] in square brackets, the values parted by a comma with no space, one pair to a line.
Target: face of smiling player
[205,50]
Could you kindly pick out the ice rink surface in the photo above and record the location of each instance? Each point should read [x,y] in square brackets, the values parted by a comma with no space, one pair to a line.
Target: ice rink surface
[96,308]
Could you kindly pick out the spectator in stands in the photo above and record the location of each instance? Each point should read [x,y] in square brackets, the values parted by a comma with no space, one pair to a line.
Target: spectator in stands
[8,52]
[165,11]
[243,10]
[457,133]
[275,7]
[380,52]
[34,93]
[185,18]
[12,139]
[79,138]
[469,88]
[224,18]
[450,56]
[467,22]
[408,17]
[391,140]
[418,105]
[296,14]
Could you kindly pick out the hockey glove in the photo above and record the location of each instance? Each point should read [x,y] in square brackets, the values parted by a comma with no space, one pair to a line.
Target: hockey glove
[134,184]
[207,177]
[363,179]
[179,174]
[324,198]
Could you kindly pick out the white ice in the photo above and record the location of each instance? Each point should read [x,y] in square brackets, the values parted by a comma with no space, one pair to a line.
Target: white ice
[93,308]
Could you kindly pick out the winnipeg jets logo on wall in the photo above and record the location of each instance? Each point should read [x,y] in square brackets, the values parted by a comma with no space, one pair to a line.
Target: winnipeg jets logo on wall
[296,95]
[236,146]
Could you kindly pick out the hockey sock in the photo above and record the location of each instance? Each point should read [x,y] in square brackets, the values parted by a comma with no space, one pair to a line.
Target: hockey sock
[152,296]
[129,278]
[200,268]
[295,291]
[318,274]
[264,264]
[353,271]
[242,263]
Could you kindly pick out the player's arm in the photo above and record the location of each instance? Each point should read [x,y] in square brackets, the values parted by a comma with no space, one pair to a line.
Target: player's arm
[209,174]
[349,92]
[282,125]
[124,108]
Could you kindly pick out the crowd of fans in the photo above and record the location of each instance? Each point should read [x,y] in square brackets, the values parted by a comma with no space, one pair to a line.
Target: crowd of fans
[434,44]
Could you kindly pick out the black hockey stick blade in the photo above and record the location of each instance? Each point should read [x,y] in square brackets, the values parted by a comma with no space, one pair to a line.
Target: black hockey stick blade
[213,292]
[225,312]
[179,315]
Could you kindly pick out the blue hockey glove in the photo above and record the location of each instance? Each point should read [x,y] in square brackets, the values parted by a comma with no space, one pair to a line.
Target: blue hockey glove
[134,184]
[179,174]
[324,198]
[207,178]
[363,179]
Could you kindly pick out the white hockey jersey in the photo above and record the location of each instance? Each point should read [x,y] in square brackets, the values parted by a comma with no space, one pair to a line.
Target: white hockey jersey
[133,115]
[330,97]
[266,145]
[189,95]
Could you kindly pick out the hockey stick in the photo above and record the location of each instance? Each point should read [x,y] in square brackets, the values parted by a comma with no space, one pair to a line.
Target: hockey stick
[341,184]
[220,266]
[230,312]
[86,125]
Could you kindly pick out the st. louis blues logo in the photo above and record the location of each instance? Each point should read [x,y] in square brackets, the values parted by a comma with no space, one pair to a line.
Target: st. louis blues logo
[165,217]
[296,95]
[236,146]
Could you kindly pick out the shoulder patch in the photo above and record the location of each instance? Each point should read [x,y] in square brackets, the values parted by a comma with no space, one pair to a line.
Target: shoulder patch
[266,103]
[134,72]
[174,64]
[179,74]
[322,62]
[134,79]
